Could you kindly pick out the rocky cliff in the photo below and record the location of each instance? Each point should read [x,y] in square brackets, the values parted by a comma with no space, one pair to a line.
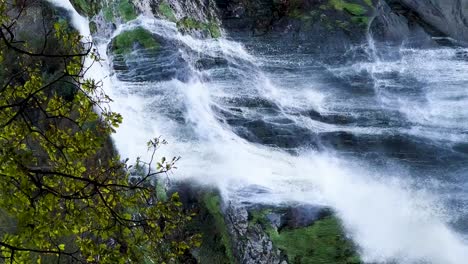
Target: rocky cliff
[318,26]
[337,24]
[425,22]
[439,17]
[266,234]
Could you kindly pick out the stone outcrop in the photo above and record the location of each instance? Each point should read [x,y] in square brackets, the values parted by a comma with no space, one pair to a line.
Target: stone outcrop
[263,234]
[251,243]
[325,25]
[439,17]
[422,22]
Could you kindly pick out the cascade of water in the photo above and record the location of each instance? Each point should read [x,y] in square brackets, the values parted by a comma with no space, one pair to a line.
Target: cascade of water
[432,113]
[388,218]
[203,11]
[79,22]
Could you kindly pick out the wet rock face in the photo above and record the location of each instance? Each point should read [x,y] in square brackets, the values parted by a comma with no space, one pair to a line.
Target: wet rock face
[251,243]
[329,25]
[389,26]
[442,17]
[287,234]
[304,215]
[423,22]
[234,232]
[309,22]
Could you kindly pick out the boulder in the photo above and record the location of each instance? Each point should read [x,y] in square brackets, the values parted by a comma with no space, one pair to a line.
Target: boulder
[441,18]
[422,23]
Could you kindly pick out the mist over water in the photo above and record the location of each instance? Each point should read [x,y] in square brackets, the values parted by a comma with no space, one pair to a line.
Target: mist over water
[382,141]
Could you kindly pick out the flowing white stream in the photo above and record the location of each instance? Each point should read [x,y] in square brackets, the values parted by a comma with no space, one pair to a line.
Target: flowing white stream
[383,212]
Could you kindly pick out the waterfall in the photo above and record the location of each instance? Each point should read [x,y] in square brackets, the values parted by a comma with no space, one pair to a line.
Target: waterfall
[381,210]
[79,22]
[224,118]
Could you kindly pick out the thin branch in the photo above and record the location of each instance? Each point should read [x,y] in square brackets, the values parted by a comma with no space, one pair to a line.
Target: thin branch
[41,54]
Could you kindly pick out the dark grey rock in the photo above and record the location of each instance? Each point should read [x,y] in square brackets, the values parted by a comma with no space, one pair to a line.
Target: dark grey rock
[314,25]
[305,215]
[251,243]
[422,22]
[276,219]
[448,17]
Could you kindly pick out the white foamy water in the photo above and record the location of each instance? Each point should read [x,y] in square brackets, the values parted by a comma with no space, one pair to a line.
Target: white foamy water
[433,99]
[387,216]
[79,22]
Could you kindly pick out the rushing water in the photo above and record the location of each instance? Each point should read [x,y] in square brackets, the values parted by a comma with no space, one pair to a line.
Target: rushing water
[380,139]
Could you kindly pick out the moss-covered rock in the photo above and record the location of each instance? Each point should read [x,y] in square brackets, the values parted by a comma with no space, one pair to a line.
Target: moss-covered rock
[126,10]
[108,14]
[212,202]
[166,11]
[360,13]
[119,9]
[188,24]
[311,21]
[352,8]
[197,18]
[214,29]
[321,242]
[87,8]
[208,221]
[233,233]
[93,27]
[111,9]
[125,42]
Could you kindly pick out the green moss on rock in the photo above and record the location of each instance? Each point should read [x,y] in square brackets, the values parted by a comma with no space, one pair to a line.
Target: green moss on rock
[213,204]
[188,23]
[127,10]
[125,41]
[88,8]
[108,14]
[343,13]
[214,29]
[166,10]
[93,27]
[259,217]
[352,8]
[321,243]
[111,9]
[361,20]
[369,3]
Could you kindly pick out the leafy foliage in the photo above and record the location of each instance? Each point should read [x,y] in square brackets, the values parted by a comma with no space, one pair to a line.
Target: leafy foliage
[64,196]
